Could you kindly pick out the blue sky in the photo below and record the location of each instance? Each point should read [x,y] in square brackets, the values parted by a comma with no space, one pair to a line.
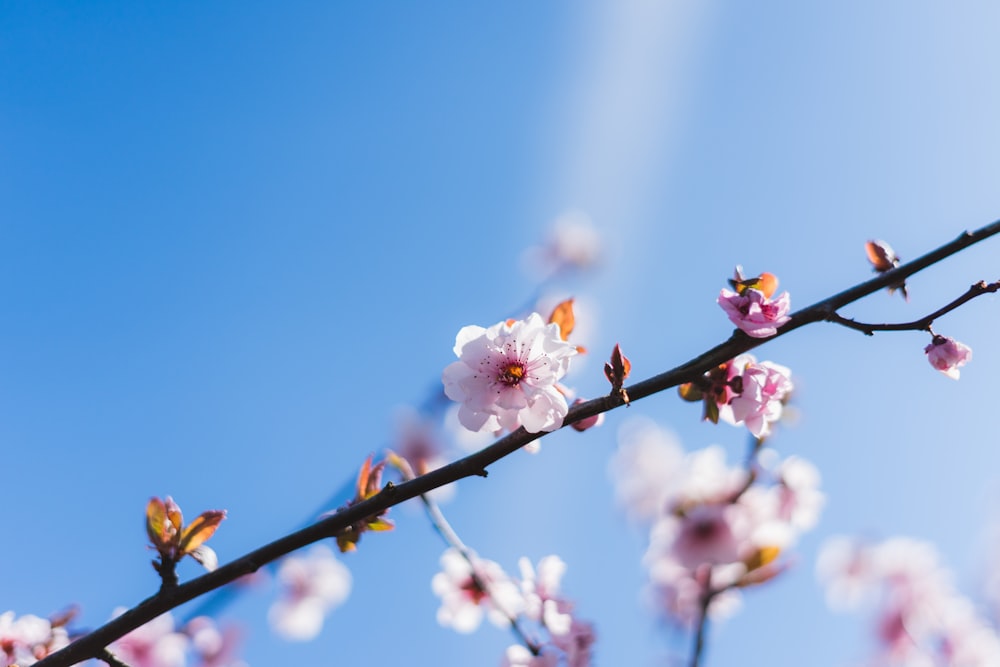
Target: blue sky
[235,238]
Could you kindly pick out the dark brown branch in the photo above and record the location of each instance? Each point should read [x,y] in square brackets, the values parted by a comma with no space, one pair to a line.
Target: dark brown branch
[924,323]
[91,645]
[702,628]
[110,659]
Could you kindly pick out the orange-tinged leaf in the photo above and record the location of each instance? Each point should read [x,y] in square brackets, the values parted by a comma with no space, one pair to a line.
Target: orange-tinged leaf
[347,541]
[763,556]
[563,316]
[765,282]
[690,392]
[200,530]
[881,255]
[156,519]
[366,469]
[381,524]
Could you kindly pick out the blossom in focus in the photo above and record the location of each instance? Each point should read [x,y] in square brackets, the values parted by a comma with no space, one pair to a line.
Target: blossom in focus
[751,308]
[155,644]
[313,585]
[948,355]
[25,640]
[506,376]
[764,388]
[465,598]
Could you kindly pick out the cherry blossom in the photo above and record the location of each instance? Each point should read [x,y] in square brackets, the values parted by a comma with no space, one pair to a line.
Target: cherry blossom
[506,376]
[764,388]
[155,644]
[573,243]
[753,312]
[948,355]
[465,598]
[24,640]
[314,584]
[920,617]
[214,646]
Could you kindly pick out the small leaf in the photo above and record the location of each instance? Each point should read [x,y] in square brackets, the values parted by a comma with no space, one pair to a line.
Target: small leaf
[881,255]
[616,371]
[200,530]
[380,525]
[690,392]
[712,411]
[563,316]
[156,519]
[366,469]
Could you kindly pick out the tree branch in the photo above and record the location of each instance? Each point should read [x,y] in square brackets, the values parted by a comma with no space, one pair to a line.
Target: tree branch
[91,645]
[924,323]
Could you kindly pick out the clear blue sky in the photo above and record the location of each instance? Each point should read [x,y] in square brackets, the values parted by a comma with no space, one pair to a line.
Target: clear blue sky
[234,237]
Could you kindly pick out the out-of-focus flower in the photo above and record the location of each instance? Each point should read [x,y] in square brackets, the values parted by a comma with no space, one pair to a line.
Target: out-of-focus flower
[759,403]
[214,646]
[573,244]
[466,597]
[155,644]
[799,494]
[173,540]
[544,604]
[314,584]
[920,618]
[25,640]
[506,376]
[751,308]
[643,466]
[883,258]
[947,355]
[715,530]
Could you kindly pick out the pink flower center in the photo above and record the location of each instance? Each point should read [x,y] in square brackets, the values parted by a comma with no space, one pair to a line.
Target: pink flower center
[511,374]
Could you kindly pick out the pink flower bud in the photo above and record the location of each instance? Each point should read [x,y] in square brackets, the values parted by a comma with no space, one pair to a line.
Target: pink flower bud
[589,422]
[947,355]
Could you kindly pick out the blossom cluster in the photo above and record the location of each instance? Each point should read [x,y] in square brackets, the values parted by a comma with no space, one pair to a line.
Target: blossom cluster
[714,529]
[921,620]
[743,391]
[471,588]
[313,584]
[161,643]
[25,640]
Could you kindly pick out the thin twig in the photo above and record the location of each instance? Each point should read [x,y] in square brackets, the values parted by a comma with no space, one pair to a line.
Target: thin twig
[111,659]
[924,323]
[451,538]
[702,628]
[90,646]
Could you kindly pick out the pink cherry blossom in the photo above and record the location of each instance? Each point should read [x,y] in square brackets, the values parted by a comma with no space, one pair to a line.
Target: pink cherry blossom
[948,355]
[921,618]
[760,402]
[155,644]
[506,376]
[24,640]
[754,313]
[465,599]
[314,584]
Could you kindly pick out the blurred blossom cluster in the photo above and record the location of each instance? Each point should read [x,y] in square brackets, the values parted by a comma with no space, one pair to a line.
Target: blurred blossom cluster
[471,588]
[920,619]
[159,643]
[313,584]
[714,529]
[25,640]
